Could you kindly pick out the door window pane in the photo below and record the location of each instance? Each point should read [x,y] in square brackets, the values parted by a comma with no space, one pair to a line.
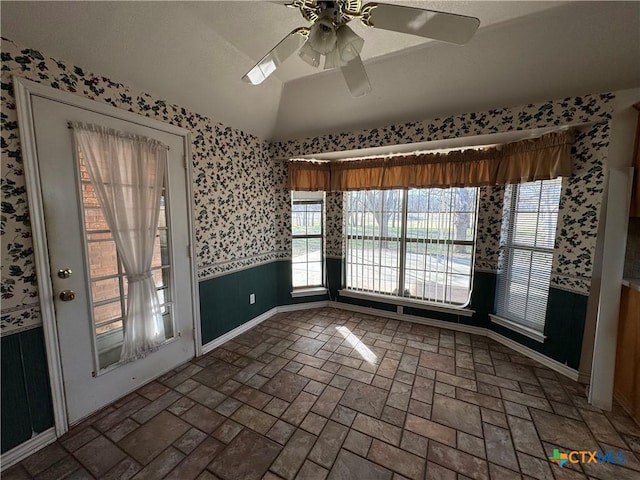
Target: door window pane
[108,295]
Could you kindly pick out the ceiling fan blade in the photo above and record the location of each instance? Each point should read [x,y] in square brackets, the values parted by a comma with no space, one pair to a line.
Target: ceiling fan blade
[272,60]
[447,27]
[356,77]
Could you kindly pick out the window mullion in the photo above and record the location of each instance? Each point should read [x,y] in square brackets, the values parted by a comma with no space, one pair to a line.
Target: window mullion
[380,242]
[403,243]
[362,216]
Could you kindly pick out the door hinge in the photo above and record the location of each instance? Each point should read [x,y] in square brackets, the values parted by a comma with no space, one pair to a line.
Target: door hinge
[189,250]
[184,161]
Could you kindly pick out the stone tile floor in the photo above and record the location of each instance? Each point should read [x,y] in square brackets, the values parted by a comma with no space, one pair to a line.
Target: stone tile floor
[331,394]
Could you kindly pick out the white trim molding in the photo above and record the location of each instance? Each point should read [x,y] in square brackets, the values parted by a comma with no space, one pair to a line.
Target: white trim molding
[213,344]
[533,355]
[309,292]
[31,446]
[294,307]
[516,327]
[460,327]
[23,91]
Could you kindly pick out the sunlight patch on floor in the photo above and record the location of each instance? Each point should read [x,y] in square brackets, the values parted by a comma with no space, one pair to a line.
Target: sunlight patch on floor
[356,343]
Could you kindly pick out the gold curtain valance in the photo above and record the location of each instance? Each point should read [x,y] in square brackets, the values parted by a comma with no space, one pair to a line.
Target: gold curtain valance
[543,158]
[309,176]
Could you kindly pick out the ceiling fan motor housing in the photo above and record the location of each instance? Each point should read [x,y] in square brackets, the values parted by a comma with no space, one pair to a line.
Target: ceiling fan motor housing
[341,11]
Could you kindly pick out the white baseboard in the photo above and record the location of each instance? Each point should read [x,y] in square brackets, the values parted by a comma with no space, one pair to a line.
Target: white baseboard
[460,327]
[537,356]
[304,306]
[27,448]
[584,377]
[213,344]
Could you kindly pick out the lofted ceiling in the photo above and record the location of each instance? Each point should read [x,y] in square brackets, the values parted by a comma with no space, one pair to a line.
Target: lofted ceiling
[194,54]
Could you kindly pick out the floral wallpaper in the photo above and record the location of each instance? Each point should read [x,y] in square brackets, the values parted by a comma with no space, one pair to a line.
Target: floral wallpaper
[582,194]
[241,203]
[234,182]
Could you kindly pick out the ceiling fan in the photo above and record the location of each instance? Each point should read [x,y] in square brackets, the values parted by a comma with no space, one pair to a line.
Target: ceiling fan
[331,37]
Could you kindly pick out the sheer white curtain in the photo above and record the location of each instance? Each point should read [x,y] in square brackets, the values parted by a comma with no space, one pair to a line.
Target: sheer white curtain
[127,173]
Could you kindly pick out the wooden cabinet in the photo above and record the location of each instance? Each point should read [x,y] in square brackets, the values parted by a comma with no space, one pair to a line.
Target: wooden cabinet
[635,192]
[627,374]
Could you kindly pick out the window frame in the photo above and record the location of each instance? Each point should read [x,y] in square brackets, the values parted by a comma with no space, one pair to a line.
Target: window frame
[309,198]
[508,248]
[400,298]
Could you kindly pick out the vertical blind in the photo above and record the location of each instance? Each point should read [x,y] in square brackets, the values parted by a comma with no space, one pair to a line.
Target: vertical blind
[531,213]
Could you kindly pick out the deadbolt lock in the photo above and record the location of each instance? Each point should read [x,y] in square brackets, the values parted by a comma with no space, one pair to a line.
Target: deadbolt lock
[64,273]
[67,295]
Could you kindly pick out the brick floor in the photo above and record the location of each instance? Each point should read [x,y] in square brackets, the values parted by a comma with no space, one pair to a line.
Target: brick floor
[332,394]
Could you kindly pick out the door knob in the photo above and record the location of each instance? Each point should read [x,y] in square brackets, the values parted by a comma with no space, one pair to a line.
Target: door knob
[67,295]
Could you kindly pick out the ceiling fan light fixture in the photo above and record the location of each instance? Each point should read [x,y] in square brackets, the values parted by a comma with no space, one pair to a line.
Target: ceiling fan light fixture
[333,60]
[309,55]
[322,36]
[329,36]
[349,44]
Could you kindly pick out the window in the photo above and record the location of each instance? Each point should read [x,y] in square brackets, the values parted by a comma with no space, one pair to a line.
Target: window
[416,243]
[107,275]
[307,232]
[531,213]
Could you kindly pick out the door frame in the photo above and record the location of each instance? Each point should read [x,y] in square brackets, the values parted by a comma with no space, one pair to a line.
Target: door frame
[24,90]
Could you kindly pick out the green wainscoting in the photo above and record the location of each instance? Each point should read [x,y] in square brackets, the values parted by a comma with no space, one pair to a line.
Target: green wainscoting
[483,297]
[334,276]
[25,393]
[224,300]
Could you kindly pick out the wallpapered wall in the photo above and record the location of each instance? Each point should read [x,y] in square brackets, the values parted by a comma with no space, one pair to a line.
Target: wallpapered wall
[240,196]
[235,183]
[582,192]
[242,213]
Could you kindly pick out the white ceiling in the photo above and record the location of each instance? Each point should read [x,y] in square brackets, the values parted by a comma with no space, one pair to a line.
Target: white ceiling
[194,54]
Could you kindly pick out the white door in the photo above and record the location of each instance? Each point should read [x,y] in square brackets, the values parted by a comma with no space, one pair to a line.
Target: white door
[83,260]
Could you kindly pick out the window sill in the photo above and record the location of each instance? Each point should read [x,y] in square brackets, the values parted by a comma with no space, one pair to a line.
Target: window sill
[463,311]
[521,329]
[309,292]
